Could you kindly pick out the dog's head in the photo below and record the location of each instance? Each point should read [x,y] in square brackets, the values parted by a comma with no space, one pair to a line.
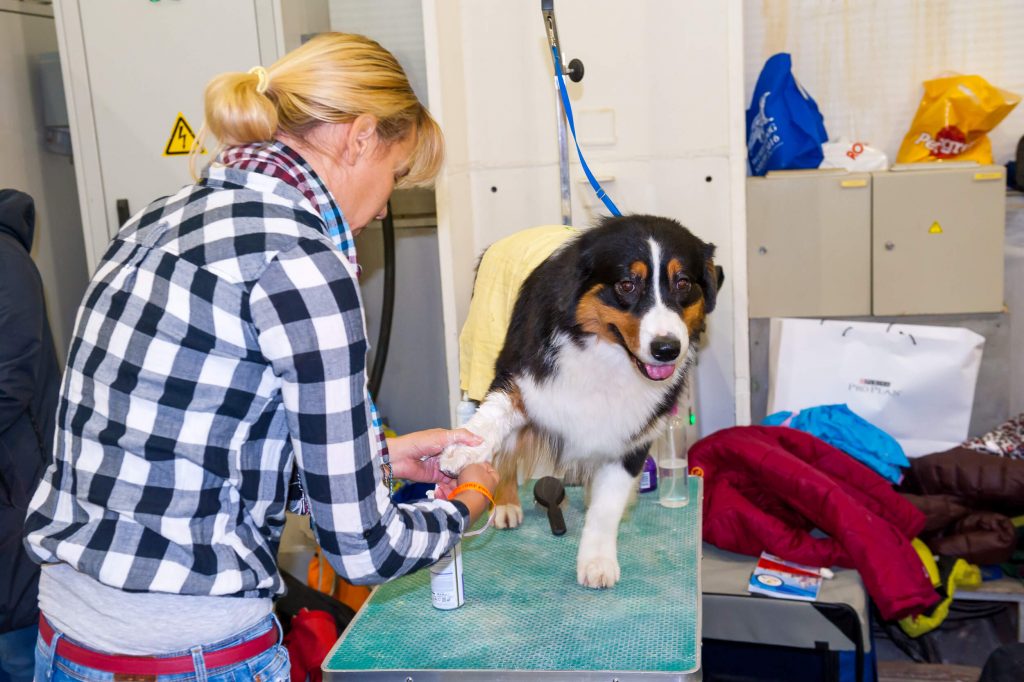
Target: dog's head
[646,284]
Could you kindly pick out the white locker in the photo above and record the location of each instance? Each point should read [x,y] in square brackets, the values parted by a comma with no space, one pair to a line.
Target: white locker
[937,240]
[130,69]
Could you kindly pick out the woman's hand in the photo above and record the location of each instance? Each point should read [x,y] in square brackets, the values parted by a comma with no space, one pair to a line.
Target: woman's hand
[481,473]
[414,456]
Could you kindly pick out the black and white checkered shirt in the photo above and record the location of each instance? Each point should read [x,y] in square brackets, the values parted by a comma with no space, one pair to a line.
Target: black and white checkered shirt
[219,347]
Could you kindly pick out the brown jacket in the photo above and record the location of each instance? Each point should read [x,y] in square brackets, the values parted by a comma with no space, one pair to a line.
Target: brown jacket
[967,497]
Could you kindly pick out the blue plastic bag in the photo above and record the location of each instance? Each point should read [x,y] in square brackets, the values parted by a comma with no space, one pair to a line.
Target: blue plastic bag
[785,130]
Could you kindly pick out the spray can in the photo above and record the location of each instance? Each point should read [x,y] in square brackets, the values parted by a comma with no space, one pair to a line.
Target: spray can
[649,476]
[446,589]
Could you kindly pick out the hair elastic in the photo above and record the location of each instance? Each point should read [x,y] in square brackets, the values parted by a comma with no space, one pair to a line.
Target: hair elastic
[264,81]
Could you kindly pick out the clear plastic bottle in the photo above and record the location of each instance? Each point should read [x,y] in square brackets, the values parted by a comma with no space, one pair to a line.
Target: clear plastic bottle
[465,410]
[673,478]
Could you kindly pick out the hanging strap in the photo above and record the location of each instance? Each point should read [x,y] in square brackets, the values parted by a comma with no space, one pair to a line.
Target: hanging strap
[601,194]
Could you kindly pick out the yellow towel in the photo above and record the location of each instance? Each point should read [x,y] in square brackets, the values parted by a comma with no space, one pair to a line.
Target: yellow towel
[504,267]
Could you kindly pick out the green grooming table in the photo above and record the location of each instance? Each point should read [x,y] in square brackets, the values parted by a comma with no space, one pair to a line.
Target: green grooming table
[525,616]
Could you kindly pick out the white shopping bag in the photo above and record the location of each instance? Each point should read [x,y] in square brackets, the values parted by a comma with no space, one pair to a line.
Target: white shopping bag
[853,156]
[914,382]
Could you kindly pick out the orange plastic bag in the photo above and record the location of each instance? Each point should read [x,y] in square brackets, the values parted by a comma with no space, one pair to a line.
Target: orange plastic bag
[322,578]
[953,118]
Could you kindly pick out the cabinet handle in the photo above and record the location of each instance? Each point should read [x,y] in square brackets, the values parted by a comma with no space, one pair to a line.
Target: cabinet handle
[889,246]
[761,250]
[123,212]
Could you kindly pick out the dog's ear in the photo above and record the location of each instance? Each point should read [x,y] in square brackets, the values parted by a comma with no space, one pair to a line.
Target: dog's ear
[712,278]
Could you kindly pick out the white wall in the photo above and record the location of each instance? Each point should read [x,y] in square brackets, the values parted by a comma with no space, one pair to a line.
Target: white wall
[864,61]
[395,24]
[1015,299]
[25,164]
[300,18]
[659,111]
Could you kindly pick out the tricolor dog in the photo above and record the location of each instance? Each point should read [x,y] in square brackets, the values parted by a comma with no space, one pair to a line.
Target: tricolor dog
[601,338]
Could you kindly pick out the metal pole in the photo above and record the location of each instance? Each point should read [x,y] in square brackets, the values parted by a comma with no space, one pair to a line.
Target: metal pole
[548,10]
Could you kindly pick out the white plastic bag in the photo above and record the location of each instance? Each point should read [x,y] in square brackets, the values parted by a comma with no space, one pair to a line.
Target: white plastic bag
[853,156]
[914,382]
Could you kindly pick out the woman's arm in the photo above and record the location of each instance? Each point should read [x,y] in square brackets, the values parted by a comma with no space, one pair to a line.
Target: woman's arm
[306,311]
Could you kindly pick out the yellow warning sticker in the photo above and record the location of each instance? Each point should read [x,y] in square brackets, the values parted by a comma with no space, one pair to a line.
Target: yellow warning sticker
[182,138]
[935,228]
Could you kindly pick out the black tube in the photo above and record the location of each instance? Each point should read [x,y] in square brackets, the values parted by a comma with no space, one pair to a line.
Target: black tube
[380,357]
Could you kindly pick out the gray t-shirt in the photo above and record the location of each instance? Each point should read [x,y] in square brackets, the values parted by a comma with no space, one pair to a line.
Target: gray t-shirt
[139,623]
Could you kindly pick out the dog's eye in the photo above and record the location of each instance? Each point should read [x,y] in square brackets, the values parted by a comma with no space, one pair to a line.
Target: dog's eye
[683,285]
[625,287]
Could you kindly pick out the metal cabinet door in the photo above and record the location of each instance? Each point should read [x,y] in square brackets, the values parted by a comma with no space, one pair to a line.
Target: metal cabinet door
[809,244]
[147,62]
[938,240]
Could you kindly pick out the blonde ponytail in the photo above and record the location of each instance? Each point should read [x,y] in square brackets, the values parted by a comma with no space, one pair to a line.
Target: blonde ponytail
[333,78]
[236,113]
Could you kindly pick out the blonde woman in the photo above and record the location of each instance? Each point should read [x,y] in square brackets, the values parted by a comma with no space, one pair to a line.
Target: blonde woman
[219,350]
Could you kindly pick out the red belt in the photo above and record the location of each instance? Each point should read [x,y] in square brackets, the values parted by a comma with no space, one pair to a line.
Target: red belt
[153,665]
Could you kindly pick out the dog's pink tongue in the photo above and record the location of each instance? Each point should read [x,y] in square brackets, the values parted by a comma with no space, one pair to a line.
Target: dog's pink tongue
[659,372]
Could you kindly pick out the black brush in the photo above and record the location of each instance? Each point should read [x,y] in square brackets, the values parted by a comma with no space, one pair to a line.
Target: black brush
[549,493]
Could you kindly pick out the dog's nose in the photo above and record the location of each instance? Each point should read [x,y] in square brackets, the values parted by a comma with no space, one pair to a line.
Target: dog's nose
[665,348]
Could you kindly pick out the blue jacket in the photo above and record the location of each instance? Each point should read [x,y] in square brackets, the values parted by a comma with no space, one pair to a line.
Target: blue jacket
[29,379]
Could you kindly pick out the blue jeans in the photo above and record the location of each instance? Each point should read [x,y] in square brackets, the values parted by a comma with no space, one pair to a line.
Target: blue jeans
[270,666]
[16,654]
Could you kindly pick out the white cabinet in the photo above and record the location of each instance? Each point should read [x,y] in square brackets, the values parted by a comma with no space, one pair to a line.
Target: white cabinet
[809,244]
[937,240]
[130,68]
[913,241]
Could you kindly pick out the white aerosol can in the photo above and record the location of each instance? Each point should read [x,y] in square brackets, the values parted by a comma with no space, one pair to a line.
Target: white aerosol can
[446,589]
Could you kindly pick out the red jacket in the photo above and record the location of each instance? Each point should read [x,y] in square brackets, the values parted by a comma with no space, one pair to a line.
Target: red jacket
[767,487]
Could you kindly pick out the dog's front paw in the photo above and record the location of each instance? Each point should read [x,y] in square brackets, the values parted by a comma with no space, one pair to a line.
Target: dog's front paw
[454,457]
[597,571]
[508,516]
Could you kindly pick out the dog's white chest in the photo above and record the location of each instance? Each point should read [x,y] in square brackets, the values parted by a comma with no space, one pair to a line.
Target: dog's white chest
[597,401]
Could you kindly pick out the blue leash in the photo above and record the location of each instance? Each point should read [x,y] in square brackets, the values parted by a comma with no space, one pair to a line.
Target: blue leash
[601,194]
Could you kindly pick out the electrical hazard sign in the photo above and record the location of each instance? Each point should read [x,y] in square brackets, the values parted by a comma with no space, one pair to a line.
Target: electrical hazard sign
[182,138]
[935,228]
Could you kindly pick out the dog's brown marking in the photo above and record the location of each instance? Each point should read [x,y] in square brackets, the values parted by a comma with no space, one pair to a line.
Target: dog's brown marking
[639,268]
[522,453]
[693,318]
[507,492]
[594,316]
[674,267]
[516,398]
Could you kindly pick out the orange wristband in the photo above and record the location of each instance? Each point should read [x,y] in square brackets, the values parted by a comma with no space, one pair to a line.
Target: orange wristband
[473,486]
